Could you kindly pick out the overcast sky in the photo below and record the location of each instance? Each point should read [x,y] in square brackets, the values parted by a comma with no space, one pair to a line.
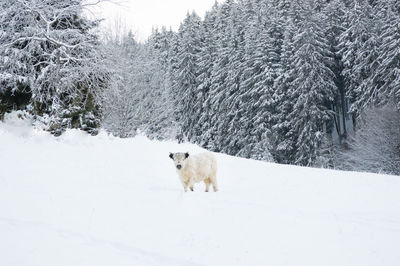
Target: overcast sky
[142,15]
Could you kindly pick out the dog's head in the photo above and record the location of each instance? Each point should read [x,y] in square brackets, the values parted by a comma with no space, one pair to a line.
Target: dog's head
[179,159]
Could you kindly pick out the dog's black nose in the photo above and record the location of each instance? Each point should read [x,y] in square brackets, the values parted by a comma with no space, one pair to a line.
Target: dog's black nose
[179,166]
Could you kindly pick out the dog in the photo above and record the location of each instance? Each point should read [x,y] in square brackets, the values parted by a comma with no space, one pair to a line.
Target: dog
[196,168]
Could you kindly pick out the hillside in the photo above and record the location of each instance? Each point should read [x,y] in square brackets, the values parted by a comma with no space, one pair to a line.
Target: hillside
[81,200]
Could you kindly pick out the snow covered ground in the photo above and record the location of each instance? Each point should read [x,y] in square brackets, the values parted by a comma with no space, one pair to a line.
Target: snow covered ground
[81,200]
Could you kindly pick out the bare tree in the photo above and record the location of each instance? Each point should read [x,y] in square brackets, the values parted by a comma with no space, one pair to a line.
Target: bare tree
[138,98]
[49,49]
[376,146]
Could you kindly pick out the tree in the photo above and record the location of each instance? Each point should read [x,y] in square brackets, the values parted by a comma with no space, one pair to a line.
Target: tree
[219,75]
[186,76]
[138,98]
[48,51]
[120,112]
[206,58]
[375,147]
[312,88]
[229,122]
[254,97]
[382,84]
[334,24]
[358,48]
[282,135]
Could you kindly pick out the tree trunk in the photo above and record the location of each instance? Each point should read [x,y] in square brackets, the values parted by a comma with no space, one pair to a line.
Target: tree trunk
[343,100]
[337,119]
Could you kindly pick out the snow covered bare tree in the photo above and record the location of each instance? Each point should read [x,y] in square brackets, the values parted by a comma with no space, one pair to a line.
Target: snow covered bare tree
[49,51]
[376,146]
[137,98]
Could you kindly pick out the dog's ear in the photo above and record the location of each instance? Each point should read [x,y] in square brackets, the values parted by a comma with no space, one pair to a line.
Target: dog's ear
[186,154]
[171,155]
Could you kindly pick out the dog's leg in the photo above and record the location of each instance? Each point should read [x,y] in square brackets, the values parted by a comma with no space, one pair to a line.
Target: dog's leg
[207,182]
[185,185]
[190,184]
[215,186]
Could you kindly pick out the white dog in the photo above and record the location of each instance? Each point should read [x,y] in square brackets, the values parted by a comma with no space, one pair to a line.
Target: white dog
[196,168]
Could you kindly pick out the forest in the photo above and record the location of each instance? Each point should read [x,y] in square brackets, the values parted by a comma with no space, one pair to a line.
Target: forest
[304,82]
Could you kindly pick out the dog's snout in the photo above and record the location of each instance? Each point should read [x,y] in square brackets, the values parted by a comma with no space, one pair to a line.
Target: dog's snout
[179,166]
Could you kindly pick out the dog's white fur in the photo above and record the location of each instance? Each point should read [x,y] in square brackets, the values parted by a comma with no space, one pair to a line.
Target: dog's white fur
[196,168]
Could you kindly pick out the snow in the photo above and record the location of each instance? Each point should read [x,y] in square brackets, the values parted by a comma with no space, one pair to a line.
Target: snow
[82,200]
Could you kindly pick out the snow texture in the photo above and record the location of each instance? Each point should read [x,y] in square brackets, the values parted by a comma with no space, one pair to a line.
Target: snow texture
[82,200]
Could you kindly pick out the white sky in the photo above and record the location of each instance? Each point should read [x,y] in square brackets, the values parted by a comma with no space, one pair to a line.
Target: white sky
[142,15]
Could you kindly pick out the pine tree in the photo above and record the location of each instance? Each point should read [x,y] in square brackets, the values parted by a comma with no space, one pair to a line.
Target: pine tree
[255,92]
[234,66]
[312,87]
[252,63]
[207,56]
[282,135]
[358,45]
[186,75]
[219,76]
[334,14]
[382,59]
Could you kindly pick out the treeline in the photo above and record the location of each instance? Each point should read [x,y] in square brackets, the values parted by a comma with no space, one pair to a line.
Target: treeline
[55,64]
[283,80]
[306,82]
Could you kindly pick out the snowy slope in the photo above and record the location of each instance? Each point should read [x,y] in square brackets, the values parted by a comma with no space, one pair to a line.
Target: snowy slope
[81,200]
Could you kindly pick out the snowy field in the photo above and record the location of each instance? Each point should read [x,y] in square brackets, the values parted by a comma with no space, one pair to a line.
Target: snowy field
[92,201]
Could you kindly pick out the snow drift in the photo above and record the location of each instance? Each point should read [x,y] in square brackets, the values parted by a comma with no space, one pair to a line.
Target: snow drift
[82,200]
